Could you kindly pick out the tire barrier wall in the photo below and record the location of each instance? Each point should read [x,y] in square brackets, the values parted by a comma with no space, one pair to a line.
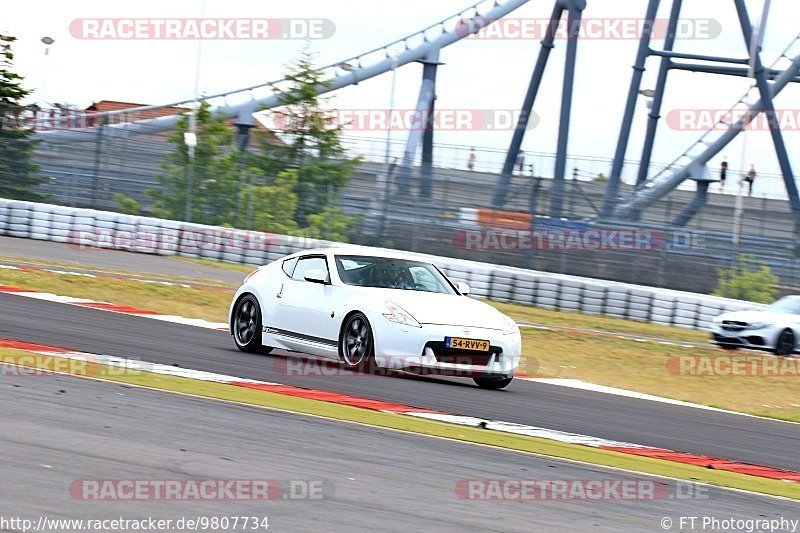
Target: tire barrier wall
[87,228]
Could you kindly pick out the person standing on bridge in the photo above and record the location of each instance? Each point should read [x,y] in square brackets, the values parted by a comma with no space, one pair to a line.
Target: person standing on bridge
[750,178]
[471,159]
[723,173]
[521,161]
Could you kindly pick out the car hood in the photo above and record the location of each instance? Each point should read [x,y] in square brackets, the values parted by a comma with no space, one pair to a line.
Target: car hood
[446,309]
[758,316]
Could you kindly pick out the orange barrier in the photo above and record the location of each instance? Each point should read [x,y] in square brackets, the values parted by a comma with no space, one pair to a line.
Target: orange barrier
[504,219]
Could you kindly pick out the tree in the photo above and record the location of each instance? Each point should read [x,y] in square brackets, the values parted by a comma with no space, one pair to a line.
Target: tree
[271,207]
[126,204]
[214,171]
[281,186]
[747,283]
[330,224]
[19,175]
[313,140]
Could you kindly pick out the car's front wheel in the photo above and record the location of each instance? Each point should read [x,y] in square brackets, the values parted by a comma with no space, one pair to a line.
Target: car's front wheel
[356,343]
[785,343]
[247,325]
[492,383]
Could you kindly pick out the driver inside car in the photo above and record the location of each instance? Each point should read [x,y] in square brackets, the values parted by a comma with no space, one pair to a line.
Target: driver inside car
[390,277]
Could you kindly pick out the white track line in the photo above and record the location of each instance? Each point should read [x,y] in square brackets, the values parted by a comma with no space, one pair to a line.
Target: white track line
[592,387]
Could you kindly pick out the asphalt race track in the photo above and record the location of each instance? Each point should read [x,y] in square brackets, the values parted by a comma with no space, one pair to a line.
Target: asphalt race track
[735,437]
[57,431]
[143,264]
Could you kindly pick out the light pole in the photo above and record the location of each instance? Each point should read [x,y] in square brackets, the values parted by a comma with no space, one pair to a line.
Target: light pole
[387,185]
[47,42]
[387,155]
[756,40]
[739,206]
[190,137]
[243,126]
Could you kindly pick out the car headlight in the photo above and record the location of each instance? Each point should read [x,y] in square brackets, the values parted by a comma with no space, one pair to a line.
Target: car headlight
[397,314]
[758,325]
[509,326]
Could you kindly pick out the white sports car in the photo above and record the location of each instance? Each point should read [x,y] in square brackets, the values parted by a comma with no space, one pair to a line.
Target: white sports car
[372,309]
[775,328]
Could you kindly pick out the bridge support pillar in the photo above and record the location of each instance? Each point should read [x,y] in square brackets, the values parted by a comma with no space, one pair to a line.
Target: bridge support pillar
[614,178]
[501,190]
[576,8]
[421,131]
[692,208]
[658,94]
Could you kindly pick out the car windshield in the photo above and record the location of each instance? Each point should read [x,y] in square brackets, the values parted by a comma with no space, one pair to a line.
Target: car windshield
[390,273]
[785,305]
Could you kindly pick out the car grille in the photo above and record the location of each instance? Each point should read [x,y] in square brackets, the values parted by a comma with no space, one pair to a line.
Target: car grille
[752,340]
[462,357]
[727,340]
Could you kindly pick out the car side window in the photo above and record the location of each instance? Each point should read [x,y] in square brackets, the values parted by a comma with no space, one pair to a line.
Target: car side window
[423,277]
[307,263]
[288,266]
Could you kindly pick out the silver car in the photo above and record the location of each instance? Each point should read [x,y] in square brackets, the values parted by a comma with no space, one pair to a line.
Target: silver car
[775,328]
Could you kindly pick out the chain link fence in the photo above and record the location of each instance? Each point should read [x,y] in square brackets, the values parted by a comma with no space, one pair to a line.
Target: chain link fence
[455,220]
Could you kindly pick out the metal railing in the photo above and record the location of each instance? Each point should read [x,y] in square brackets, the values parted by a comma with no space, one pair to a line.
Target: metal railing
[90,172]
[90,229]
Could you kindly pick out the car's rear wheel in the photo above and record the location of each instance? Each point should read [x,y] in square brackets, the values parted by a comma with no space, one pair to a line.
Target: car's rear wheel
[785,343]
[356,343]
[247,325]
[492,383]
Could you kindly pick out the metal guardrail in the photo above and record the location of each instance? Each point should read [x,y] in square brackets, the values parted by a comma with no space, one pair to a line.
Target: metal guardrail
[88,175]
[87,228]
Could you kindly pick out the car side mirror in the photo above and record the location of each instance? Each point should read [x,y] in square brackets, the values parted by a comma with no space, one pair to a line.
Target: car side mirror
[463,288]
[316,275]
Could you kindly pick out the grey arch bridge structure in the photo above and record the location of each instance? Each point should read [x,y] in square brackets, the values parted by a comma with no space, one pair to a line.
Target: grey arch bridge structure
[649,190]
[425,46]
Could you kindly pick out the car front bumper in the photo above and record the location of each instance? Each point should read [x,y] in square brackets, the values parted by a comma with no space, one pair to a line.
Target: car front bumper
[757,339]
[422,350]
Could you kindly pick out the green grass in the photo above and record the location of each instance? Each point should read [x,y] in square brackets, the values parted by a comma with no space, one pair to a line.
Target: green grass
[653,368]
[209,304]
[435,429]
[573,319]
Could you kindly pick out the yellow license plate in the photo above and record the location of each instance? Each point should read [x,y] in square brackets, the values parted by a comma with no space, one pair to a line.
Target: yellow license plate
[466,344]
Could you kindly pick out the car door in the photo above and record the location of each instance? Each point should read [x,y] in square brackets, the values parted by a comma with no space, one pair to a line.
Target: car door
[303,307]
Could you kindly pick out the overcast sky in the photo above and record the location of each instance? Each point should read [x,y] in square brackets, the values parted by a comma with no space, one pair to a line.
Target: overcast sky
[478,74]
